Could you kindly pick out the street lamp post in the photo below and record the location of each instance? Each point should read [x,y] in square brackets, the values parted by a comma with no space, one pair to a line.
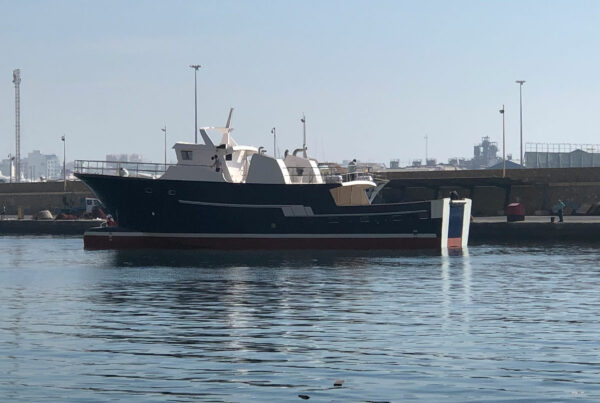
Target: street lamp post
[274,133]
[164,129]
[503,144]
[10,167]
[195,67]
[64,163]
[521,82]
[303,120]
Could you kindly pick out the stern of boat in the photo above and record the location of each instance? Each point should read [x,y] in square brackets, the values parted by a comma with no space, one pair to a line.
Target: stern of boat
[455,221]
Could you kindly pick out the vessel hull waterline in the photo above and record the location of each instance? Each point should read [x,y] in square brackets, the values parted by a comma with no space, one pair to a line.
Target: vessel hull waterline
[104,238]
[183,214]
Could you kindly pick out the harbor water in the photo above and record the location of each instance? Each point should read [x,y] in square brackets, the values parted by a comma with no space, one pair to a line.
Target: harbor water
[495,323]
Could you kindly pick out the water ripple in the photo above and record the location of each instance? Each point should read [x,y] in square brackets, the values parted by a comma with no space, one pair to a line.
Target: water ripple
[501,323]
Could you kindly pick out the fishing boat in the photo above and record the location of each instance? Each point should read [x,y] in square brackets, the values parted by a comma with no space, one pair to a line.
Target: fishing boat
[229,196]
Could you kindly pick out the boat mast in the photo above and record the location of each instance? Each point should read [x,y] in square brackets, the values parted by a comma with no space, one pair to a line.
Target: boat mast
[229,118]
[195,67]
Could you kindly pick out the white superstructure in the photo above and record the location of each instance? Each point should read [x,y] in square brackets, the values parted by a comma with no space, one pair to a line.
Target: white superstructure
[231,162]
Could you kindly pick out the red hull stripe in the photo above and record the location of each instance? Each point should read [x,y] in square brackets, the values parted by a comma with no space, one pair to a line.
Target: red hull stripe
[121,233]
[133,241]
[454,242]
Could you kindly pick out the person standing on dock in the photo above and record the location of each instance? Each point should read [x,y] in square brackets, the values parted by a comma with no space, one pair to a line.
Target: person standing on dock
[561,206]
[352,170]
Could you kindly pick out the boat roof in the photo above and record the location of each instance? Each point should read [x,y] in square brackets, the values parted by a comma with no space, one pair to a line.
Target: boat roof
[360,183]
[245,148]
[234,148]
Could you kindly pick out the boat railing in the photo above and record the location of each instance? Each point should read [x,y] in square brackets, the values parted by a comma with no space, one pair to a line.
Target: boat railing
[156,170]
[121,168]
[342,175]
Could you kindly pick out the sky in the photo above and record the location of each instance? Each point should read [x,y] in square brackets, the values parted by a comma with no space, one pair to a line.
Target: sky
[372,77]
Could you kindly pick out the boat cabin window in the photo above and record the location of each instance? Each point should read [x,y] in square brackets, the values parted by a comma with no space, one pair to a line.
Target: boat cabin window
[186,155]
[228,157]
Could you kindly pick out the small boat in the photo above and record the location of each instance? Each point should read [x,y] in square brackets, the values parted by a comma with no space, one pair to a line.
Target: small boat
[229,196]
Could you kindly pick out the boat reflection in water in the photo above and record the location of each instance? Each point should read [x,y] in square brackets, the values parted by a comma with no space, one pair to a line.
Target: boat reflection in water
[270,259]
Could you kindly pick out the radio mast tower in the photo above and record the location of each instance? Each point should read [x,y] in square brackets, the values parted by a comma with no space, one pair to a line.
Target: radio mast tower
[17,81]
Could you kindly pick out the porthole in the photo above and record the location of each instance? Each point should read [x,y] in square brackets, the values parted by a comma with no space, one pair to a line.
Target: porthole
[148,190]
[171,192]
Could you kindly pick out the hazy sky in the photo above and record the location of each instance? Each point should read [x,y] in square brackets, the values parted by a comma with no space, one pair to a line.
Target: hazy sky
[372,77]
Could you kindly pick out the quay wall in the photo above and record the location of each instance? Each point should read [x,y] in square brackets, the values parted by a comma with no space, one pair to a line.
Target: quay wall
[538,189]
[47,227]
[36,196]
[540,174]
[537,232]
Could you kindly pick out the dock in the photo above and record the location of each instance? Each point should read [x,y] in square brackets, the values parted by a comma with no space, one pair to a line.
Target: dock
[46,227]
[535,229]
[484,230]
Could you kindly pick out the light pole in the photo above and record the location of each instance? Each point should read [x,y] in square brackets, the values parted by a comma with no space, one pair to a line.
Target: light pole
[274,133]
[10,167]
[64,163]
[164,129]
[195,67]
[503,145]
[521,82]
[303,120]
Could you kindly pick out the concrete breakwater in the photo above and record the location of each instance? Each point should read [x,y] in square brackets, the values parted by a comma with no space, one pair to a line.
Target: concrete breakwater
[534,229]
[36,196]
[538,189]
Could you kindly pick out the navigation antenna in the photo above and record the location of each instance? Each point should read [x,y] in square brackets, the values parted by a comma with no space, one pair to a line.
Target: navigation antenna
[17,82]
[229,118]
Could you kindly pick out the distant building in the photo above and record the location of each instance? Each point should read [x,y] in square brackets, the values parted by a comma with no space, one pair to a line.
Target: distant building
[124,158]
[370,166]
[38,165]
[5,167]
[547,155]
[484,154]
[509,165]
[35,166]
[458,162]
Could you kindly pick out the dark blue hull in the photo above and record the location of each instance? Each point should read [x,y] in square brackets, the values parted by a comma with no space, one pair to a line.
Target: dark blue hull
[215,215]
